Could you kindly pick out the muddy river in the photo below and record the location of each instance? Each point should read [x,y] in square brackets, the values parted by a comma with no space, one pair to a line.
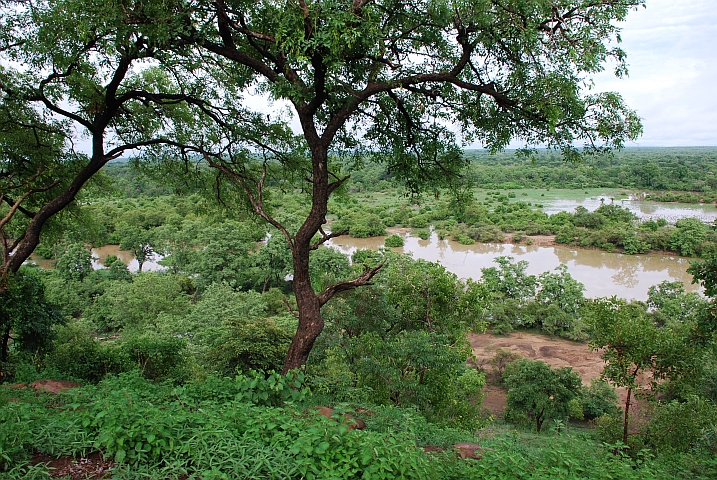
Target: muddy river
[602,273]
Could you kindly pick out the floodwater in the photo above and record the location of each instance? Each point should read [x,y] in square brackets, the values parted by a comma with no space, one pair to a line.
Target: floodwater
[603,274]
[643,209]
[100,254]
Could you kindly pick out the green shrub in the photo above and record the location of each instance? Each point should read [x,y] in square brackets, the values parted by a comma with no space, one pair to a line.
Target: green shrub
[419,221]
[423,233]
[394,241]
[156,357]
[679,426]
[85,359]
[599,399]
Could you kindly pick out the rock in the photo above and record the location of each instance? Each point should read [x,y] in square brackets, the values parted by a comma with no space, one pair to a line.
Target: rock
[54,386]
[351,422]
[467,450]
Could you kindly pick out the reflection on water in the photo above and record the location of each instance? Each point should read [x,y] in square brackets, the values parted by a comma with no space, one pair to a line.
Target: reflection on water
[604,274]
[643,209]
[100,254]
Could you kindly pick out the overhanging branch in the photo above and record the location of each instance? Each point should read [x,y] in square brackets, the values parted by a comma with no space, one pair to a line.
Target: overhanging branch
[360,281]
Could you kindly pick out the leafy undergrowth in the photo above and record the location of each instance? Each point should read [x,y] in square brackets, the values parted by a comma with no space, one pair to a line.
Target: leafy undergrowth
[261,428]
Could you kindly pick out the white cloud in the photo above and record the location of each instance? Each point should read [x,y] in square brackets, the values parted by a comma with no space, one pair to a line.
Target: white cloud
[672,53]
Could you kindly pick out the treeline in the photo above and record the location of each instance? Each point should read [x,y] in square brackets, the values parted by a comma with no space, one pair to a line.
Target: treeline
[687,174]
[679,169]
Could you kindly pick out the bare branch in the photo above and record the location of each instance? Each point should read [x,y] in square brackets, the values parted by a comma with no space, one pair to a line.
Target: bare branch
[291,310]
[325,237]
[360,281]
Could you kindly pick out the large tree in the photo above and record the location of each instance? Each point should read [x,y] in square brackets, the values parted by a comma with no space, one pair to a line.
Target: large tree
[73,73]
[403,83]
[394,82]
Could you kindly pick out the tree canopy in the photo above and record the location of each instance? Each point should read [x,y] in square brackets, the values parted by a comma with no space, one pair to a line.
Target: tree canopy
[386,81]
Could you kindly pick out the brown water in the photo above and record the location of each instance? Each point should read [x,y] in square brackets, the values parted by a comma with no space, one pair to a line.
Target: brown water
[602,273]
[100,254]
[645,210]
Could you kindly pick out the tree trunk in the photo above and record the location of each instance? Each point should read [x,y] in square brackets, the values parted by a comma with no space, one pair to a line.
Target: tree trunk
[311,323]
[5,347]
[626,417]
[539,420]
[31,236]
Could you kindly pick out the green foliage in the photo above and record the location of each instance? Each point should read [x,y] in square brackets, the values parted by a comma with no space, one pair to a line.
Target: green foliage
[681,426]
[225,256]
[327,266]
[688,236]
[394,241]
[75,263]
[427,296]
[258,344]
[705,273]
[536,390]
[138,304]
[599,399]
[671,305]
[509,280]
[422,370]
[633,345]
[137,240]
[158,358]
[117,269]
[26,316]
[360,224]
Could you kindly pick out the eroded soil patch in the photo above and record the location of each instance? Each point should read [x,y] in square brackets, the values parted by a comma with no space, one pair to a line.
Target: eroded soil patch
[554,351]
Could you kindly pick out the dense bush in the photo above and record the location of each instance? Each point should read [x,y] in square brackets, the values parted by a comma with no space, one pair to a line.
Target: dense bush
[394,241]
[598,399]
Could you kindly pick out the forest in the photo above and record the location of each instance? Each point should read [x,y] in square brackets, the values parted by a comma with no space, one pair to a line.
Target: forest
[253,348]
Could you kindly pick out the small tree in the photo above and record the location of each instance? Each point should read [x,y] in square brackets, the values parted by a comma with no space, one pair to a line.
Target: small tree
[138,241]
[26,317]
[75,263]
[540,391]
[633,345]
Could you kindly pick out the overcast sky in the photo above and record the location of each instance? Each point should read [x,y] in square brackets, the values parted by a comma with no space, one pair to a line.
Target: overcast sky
[672,54]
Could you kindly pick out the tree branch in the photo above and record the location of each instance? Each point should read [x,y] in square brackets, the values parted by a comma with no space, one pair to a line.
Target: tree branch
[360,281]
[325,237]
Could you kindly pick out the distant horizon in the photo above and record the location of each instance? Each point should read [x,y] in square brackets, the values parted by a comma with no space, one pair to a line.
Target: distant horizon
[510,149]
